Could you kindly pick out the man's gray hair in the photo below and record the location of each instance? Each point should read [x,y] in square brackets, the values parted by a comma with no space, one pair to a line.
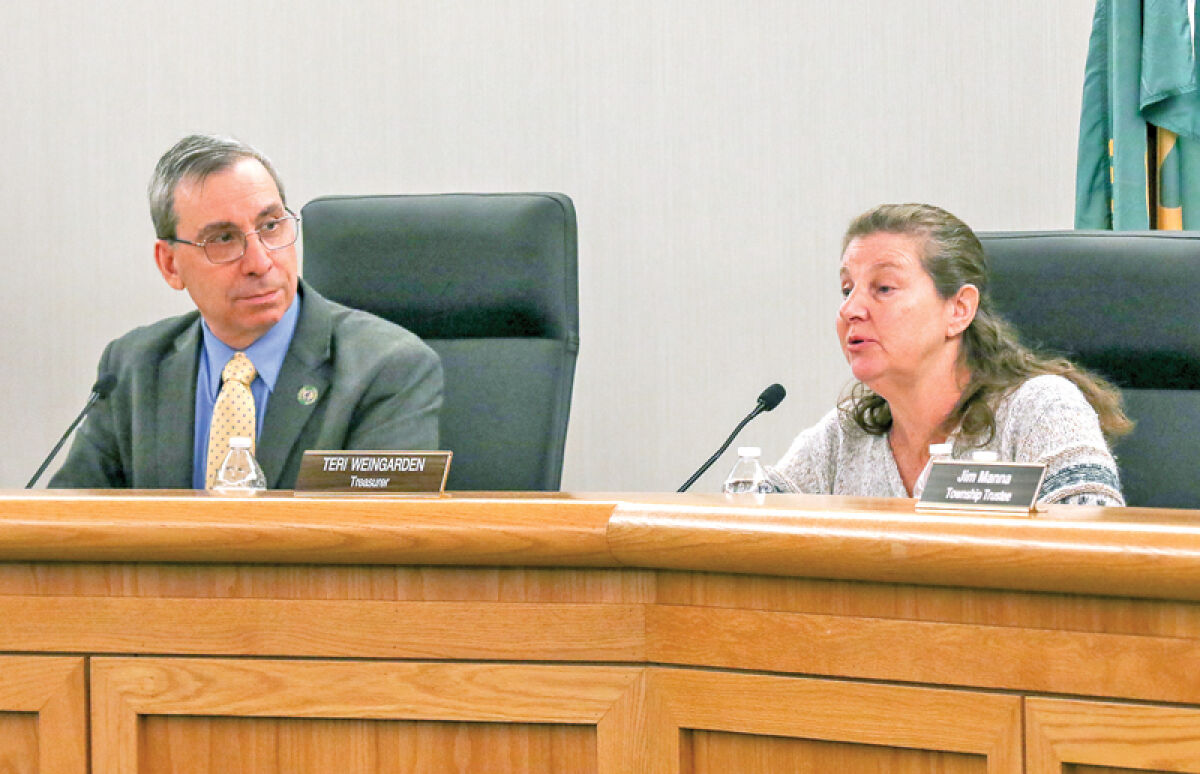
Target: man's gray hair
[195,157]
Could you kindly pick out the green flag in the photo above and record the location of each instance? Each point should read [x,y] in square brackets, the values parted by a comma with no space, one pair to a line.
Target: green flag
[1141,75]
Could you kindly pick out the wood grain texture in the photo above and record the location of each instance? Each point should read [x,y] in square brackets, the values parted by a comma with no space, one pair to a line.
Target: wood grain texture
[18,742]
[212,745]
[127,690]
[1008,658]
[1081,769]
[1124,552]
[712,752]
[311,581]
[652,669]
[946,604]
[1152,553]
[281,528]
[638,714]
[1112,615]
[509,693]
[51,737]
[978,723]
[363,628]
[1064,736]
[639,732]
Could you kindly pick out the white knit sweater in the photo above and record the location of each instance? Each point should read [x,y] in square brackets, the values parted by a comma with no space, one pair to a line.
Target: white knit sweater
[1046,419]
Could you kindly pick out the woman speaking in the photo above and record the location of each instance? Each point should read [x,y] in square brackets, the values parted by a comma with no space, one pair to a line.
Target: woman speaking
[934,363]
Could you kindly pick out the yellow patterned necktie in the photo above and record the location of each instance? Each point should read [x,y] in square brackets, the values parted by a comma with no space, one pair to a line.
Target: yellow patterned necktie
[233,413]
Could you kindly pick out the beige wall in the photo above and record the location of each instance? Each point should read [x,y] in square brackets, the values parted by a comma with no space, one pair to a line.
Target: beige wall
[714,151]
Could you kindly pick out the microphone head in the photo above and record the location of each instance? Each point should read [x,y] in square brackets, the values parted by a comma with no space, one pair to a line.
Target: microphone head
[104,385]
[771,397]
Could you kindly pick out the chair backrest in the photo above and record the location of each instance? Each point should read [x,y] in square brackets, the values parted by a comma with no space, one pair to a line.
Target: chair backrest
[490,282]
[1119,304]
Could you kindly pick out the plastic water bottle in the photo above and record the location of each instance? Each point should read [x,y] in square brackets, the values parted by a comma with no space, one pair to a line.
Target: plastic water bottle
[937,451]
[240,472]
[747,476]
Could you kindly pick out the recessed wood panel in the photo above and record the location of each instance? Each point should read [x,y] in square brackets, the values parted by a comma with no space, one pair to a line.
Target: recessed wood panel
[18,742]
[978,724]
[1089,737]
[257,715]
[709,752]
[208,745]
[43,723]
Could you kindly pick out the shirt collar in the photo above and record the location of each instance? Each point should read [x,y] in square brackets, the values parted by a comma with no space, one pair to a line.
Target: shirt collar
[267,352]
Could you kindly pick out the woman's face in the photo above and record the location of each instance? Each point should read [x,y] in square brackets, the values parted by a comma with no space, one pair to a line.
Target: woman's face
[893,326]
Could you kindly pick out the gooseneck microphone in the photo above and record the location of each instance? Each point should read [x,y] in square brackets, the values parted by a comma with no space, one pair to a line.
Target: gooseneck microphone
[100,391]
[769,399]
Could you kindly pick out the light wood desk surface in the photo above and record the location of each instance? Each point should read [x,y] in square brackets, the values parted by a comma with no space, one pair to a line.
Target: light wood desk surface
[591,632]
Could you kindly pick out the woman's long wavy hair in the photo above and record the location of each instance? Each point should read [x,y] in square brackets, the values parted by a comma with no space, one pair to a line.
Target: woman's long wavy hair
[993,355]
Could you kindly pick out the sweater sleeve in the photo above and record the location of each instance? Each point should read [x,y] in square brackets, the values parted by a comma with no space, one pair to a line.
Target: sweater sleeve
[1048,420]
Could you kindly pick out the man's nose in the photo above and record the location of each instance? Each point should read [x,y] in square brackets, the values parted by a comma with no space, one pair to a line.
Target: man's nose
[257,258]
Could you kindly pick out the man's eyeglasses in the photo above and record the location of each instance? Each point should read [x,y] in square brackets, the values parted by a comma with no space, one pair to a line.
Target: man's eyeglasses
[228,245]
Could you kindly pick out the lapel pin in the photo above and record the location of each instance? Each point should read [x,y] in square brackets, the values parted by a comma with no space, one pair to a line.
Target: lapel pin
[307,395]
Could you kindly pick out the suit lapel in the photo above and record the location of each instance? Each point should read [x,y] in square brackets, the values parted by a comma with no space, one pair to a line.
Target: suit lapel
[175,412]
[304,367]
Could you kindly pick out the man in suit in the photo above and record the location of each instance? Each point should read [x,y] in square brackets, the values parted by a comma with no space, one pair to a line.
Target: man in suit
[324,376]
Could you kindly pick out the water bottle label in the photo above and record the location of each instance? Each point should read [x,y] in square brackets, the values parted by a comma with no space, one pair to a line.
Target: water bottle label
[748,486]
[748,475]
[239,472]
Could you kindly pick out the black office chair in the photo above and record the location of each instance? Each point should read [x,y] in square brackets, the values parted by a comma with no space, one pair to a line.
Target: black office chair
[1119,304]
[490,282]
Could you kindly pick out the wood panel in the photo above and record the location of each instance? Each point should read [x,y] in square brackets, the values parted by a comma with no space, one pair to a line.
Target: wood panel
[311,581]
[1112,615]
[981,731]
[720,753]
[1067,736]
[1080,769]
[1010,658]
[18,742]
[127,692]
[278,527]
[1116,551]
[1095,551]
[200,745]
[992,607]
[597,665]
[149,713]
[43,724]
[323,628]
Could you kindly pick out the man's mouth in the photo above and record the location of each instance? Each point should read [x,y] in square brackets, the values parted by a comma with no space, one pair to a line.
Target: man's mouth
[263,295]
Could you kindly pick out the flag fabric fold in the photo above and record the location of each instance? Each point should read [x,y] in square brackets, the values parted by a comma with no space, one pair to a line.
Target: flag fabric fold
[1139,129]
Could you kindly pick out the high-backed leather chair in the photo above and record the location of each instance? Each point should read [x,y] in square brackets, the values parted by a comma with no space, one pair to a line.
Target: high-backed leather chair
[1120,304]
[490,282]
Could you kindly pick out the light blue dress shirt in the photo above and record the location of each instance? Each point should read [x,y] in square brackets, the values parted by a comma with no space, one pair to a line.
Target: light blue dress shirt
[267,354]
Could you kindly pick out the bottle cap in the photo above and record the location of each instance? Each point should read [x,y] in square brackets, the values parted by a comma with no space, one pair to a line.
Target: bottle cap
[239,443]
[985,456]
[749,451]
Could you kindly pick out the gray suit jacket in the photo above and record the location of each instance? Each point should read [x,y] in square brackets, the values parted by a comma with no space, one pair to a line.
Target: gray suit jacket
[378,387]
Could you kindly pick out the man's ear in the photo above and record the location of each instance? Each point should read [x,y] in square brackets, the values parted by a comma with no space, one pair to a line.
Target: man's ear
[962,309]
[164,257]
